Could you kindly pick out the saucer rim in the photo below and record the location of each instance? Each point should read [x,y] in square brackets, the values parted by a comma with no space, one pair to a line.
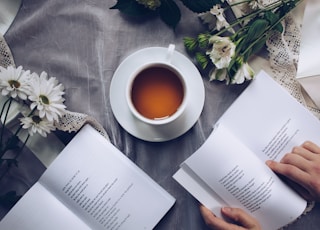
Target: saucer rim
[148,132]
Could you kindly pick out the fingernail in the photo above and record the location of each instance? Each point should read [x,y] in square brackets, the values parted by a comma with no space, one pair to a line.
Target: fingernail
[227,209]
[268,162]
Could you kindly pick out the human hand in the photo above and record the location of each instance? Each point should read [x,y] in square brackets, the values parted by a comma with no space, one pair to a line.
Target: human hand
[301,166]
[242,220]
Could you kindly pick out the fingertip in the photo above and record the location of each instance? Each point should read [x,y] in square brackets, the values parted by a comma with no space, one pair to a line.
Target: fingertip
[209,218]
[273,165]
[269,163]
[230,213]
[241,217]
[205,211]
[226,210]
[311,147]
[307,143]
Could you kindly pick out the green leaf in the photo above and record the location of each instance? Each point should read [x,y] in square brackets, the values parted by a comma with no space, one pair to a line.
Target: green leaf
[271,17]
[169,13]
[278,27]
[131,8]
[274,18]
[241,43]
[200,6]
[256,29]
[257,47]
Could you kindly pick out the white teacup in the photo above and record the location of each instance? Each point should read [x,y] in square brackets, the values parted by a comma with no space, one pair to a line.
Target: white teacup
[156,92]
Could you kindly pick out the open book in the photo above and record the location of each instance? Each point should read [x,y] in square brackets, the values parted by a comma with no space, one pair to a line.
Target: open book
[91,185]
[229,169]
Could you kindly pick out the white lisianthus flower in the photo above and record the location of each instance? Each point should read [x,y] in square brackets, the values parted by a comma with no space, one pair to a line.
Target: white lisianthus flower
[223,49]
[35,124]
[209,19]
[220,75]
[240,8]
[46,96]
[14,82]
[221,20]
[245,72]
[256,4]
[215,18]
[151,4]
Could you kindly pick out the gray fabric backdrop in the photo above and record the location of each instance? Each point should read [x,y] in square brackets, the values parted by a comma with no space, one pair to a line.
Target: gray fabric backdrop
[82,42]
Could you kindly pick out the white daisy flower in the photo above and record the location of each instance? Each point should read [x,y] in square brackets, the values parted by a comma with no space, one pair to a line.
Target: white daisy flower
[46,96]
[35,124]
[223,49]
[14,82]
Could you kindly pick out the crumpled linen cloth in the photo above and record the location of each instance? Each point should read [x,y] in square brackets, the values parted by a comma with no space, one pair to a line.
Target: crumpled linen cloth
[104,38]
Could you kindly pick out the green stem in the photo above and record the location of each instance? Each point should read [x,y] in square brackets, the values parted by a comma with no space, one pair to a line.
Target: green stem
[6,148]
[4,105]
[253,14]
[5,119]
[267,30]
[15,157]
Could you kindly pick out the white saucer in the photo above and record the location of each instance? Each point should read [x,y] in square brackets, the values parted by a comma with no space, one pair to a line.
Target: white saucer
[144,131]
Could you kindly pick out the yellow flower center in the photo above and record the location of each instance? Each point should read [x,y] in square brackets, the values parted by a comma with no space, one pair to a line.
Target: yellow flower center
[14,84]
[44,99]
[36,119]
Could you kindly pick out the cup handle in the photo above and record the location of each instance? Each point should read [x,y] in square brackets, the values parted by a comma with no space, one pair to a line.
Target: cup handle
[170,53]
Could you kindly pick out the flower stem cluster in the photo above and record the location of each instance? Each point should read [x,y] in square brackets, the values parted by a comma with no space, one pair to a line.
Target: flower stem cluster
[40,100]
[228,46]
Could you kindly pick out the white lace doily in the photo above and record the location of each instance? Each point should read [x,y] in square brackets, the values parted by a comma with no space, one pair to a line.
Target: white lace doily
[283,57]
[6,58]
[73,121]
[70,121]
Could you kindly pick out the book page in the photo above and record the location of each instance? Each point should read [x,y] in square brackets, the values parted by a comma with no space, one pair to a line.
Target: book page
[199,189]
[44,212]
[269,121]
[239,178]
[101,186]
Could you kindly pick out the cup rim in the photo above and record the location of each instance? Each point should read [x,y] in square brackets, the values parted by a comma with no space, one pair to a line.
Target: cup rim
[160,121]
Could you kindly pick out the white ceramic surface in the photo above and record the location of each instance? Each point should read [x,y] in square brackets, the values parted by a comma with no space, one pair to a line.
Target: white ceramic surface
[149,132]
[164,120]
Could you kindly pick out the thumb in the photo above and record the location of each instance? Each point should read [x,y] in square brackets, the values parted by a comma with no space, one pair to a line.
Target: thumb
[240,217]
